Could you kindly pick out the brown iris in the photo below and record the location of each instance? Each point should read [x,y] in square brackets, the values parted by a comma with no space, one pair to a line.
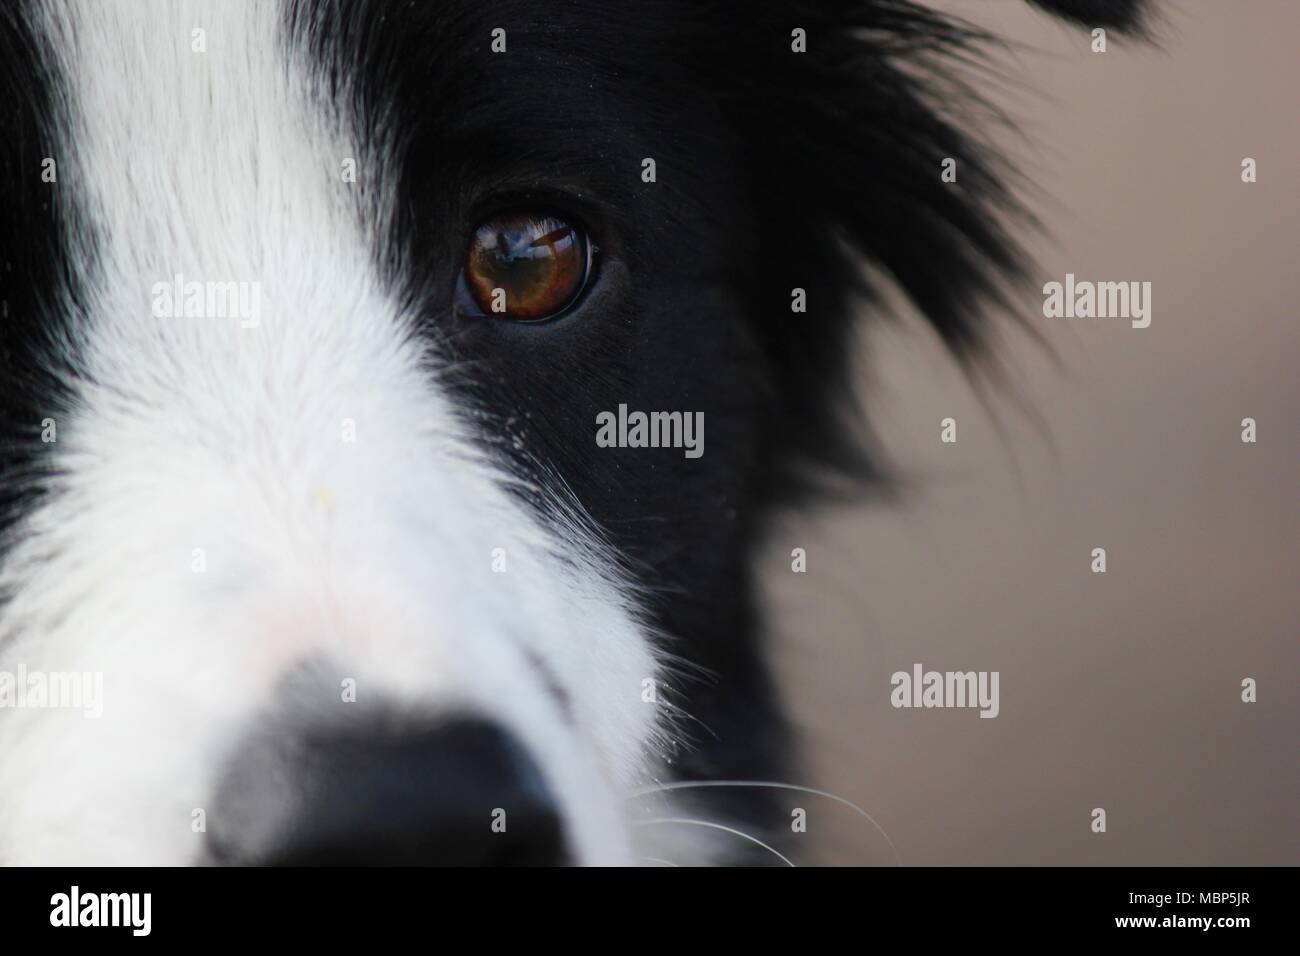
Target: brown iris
[525,267]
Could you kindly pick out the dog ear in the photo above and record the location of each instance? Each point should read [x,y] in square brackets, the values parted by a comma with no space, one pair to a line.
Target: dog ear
[865,132]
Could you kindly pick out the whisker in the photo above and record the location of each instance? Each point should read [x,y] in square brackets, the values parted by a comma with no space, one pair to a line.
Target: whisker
[716,826]
[774,785]
[680,715]
[661,862]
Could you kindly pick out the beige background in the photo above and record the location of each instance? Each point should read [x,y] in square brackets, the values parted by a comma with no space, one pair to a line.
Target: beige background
[1119,690]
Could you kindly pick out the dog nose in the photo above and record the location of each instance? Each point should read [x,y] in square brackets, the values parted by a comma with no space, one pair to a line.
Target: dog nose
[462,793]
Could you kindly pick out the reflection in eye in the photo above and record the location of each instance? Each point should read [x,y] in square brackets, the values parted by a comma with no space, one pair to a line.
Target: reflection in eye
[526,267]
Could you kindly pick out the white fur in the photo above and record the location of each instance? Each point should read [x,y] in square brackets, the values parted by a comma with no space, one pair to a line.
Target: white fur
[202,433]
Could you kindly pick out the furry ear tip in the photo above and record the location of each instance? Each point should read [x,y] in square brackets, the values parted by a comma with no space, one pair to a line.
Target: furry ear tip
[1125,16]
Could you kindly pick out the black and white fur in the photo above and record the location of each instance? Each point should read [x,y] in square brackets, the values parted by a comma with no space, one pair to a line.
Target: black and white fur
[372,560]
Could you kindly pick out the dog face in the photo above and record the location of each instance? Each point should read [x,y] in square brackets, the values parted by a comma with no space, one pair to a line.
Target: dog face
[316,311]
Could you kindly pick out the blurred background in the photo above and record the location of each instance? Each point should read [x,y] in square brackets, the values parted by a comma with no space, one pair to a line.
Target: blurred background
[1119,690]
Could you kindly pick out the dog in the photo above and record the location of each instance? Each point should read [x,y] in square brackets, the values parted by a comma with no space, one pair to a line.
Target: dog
[331,533]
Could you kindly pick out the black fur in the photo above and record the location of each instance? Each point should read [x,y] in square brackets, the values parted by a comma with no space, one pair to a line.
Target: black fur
[776,170]
[33,264]
[1125,15]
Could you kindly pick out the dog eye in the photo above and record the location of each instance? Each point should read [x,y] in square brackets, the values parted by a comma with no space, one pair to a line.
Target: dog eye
[525,267]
